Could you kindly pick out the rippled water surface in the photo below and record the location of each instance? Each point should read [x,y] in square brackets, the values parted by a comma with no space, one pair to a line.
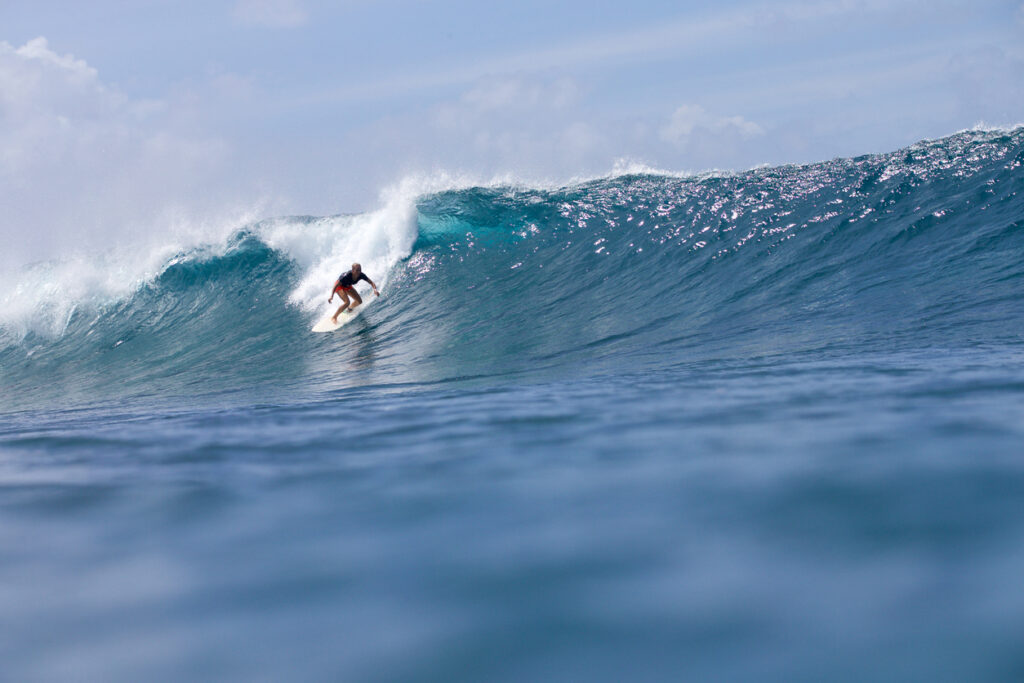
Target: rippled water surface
[763,426]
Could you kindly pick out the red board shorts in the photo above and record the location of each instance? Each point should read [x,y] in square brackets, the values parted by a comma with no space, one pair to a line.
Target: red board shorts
[343,288]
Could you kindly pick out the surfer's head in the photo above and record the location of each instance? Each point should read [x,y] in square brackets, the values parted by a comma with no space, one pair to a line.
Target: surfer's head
[356,267]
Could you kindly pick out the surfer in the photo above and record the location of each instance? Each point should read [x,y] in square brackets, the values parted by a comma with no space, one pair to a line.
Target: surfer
[345,288]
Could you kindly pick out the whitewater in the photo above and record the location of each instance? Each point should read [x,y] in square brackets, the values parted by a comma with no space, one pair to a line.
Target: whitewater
[763,425]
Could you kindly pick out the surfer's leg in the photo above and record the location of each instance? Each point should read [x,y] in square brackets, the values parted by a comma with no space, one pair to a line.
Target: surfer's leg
[341,309]
[359,299]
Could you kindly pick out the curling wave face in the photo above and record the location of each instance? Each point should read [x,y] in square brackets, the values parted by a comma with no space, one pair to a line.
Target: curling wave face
[920,248]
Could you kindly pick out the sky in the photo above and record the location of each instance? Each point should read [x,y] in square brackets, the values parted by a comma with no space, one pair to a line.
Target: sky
[118,116]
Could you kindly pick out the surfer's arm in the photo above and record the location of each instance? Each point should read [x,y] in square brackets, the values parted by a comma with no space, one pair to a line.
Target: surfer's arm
[374,286]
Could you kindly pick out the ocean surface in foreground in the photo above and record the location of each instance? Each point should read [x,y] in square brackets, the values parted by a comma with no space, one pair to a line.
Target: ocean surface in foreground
[756,426]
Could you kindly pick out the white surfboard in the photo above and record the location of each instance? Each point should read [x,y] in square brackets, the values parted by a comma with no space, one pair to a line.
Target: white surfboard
[325,324]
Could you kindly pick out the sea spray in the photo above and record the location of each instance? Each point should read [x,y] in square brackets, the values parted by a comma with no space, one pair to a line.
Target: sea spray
[914,249]
[734,426]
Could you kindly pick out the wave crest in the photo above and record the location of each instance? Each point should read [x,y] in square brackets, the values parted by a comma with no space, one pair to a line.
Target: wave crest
[917,248]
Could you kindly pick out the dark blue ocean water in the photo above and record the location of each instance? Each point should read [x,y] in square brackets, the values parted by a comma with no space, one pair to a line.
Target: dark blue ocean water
[755,426]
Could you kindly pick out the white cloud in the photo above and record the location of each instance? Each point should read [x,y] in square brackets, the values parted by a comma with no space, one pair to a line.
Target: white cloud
[271,13]
[516,122]
[691,119]
[700,34]
[547,129]
[38,49]
[497,101]
[517,93]
[532,128]
[84,166]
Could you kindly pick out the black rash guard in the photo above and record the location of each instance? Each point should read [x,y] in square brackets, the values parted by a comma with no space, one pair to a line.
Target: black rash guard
[348,280]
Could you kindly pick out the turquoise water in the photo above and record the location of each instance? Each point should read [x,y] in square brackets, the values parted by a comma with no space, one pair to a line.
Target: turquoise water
[754,426]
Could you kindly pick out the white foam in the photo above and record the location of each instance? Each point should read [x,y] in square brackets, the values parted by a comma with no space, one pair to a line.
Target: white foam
[377,240]
[46,294]
[41,297]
